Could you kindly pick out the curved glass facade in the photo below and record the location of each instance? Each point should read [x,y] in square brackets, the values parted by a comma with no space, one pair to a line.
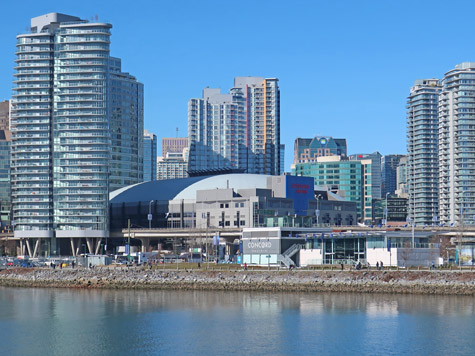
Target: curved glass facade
[31,122]
[81,140]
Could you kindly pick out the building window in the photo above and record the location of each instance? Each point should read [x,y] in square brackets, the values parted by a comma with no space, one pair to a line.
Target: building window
[243,222]
[227,223]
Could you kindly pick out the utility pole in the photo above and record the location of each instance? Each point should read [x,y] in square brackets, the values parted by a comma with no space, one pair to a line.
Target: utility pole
[462,226]
[128,242]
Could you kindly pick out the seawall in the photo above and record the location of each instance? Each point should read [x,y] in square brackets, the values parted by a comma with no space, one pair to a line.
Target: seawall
[416,282]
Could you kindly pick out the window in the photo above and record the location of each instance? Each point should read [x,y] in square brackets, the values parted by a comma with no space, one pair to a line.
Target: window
[243,222]
[242,205]
[227,223]
[226,205]
[221,206]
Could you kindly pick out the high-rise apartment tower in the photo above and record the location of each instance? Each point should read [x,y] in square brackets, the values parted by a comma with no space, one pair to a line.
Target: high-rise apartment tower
[457,145]
[74,129]
[239,130]
[422,151]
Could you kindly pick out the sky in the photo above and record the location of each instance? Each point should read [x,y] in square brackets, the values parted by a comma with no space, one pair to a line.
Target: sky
[345,68]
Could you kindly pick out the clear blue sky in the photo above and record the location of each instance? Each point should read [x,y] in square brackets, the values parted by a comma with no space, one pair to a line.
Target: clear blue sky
[345,67]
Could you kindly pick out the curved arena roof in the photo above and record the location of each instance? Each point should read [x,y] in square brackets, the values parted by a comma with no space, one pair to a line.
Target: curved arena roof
[185,188]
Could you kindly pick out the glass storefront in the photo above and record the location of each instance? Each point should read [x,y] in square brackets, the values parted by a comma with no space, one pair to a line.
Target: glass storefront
[344,250]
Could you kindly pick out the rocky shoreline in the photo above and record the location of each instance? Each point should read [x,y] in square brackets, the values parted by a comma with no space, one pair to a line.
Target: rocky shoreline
[411,282]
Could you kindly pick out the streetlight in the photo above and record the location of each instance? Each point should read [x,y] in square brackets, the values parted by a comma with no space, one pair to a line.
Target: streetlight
[386,210]
[410,221]
[150,214]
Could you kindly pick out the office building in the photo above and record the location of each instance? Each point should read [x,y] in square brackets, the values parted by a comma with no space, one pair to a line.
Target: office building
[389,164]
[376,180]
[126,127]
[149,156]
[282,159]
[401,178]
[76,121]
[309,149]
[238,131]
[394,207]
[457,145]
[5,115]
[351,180]
[173,144]
[173,165]
[5,197]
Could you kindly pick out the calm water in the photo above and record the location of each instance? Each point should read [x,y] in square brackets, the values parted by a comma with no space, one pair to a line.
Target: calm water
[92,322]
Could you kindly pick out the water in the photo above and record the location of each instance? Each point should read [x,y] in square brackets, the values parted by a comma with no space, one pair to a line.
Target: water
[98,322]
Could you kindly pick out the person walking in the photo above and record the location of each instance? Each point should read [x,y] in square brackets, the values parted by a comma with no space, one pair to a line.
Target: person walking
[377,266]
[382,267]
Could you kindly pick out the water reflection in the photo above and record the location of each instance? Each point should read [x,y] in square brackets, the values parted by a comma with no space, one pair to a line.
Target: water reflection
[104,322]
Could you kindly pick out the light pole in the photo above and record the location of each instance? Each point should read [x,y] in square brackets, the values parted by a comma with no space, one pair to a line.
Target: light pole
[150,214]
[128,241]
[386,210]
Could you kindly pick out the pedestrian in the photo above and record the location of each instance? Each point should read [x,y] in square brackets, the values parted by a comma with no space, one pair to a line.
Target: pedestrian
[245,266]
[72,264]
[61,265]
[377,266]
[341,264]
[199,265]
[382,267]
[432,266]
[368,266]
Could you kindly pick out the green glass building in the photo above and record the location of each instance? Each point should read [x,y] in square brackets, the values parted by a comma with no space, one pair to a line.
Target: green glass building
[349,179]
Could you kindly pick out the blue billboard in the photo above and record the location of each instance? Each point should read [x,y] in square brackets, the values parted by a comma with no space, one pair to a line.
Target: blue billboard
[300,190]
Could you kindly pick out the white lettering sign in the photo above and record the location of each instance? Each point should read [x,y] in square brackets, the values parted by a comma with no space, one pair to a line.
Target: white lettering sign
[259,244]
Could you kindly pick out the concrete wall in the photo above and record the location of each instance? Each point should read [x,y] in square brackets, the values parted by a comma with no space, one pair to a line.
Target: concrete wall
[403,257]
[374,255]
[418,257]
[310,257]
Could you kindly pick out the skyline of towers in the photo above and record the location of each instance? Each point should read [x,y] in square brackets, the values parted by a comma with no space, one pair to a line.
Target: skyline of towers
[77,124]
[239,130]
[77,128]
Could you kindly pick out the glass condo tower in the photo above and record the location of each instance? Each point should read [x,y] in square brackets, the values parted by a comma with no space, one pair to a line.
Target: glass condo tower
[63,127]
